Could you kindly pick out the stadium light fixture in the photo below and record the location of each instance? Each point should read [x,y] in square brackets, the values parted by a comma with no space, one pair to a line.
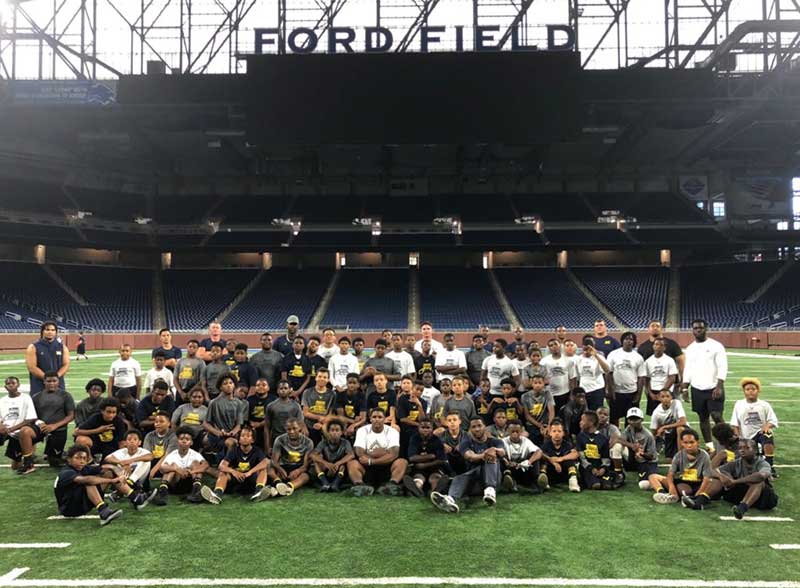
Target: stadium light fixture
[413,259]
[376,228]
[142,220]
[296,224]
[456,226]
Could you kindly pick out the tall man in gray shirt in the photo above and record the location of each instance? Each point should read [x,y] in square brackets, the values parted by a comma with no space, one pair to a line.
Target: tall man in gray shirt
[268,361]
[475,357]
[56,408]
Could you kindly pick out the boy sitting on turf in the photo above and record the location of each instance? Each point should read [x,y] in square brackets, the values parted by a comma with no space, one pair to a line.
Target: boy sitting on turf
[161,440]
[351,406]
[291,458]
[593,450]
[104,432]
[538,409]
[244,470]
[753,418]
[192,415]
[615,449]
[571,412]
[77,487]
[426,456]
[451,437]
[667,422]
[132,460]
[181,470]
[559,458]
[483,454]
[690,472]
[378,449]
[257,412]
[17,411]
[330,457]
[639,452]
[521,462]
[744,482]
[499,430]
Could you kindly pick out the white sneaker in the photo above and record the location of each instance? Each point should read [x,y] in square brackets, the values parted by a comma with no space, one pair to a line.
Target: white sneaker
[644,485]
[573,484]
[444,502]
[489,496]
[263,494]
[664,498]
[209,495]
[284,489]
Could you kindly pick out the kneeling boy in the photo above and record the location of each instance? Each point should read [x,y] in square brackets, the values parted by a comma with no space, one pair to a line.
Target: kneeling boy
[690,472]
[291,458]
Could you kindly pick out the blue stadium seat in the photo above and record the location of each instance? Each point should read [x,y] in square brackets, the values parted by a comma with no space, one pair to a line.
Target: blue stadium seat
[370,299]
[460,299]
[192,298]
[635,295]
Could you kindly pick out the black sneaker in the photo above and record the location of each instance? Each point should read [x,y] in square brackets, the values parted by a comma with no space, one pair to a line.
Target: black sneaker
[738,512]
[691,502]
[774,475]
[56,462]
[336,486]
[142,499]
[26,467]
[411,487]
[508,482]
[160,499]
[194,496]
[107,515]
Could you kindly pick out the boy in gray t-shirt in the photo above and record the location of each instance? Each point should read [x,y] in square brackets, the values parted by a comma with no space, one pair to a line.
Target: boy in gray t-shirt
[281,410]
[690,472]
[56,408]
[291,459]
[460,403]
[188,372]
[192,416]
[330,457]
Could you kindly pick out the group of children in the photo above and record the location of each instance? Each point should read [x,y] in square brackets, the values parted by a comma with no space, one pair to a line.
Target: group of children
[371,430]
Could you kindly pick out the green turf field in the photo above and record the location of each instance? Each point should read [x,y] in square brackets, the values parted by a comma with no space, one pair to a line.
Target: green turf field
[621,534]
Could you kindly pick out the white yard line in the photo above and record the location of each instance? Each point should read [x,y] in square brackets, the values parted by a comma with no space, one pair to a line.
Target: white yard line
[34,545]
[785,546]
[763,355]
[63,518]
[760,519]
[15,581]
[18,361]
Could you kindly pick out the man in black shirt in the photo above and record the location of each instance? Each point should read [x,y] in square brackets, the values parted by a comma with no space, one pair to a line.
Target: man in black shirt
[171,352]
[672,348]
[284,343]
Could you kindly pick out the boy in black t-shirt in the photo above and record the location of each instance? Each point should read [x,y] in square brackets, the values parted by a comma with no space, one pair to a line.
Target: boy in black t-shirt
[77,487]
[451,437]
[317,361]
[245,373]
[330,457]
[296,368]
[103,433]
[508,401]
[384,399]
[410,410]
[257,412]
[426,455]
[351,406]
[244,469]
[570,413]
[559,457]
[594,454]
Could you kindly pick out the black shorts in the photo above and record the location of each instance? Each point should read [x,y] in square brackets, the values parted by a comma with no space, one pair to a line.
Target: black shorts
[595,398]
[115,390]
[181,486]
[620,405]
[763,439]
[55,441]
[560,402]
[290,467]
[704,405]
[645,469]
[693,486]
[588,479]
[76,503]
[670,443]
[13,450]
[767,501]
[246,487]
[377,475]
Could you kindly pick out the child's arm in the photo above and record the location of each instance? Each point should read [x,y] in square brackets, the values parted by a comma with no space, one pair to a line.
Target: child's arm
[198,467]
[110,384]
[349,456]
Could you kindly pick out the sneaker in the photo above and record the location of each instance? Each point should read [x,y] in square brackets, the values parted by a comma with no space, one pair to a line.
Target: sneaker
[573,484]
[391,489]
[619,479]
[160,499]
[142,499]
[56,462]
[325,488]
[690,502]
[26,468]
[109,515]
[209,495]
[664,498]
[444,502]
[194,496]
[489,496]
[284,489]
[265,493]
[412,487]
[361,490]
[110,497]
[508,482]
[543,482]
[738,512]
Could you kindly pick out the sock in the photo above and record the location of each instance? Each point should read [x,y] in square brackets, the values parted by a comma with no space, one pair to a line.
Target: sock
[129,491]
[340,473]
[702,499]
[130,482]
[419,483]
[290,484]
[661,491]
[163,489]
[102,507]
[743,507]
[770,459]
[259,487]
[321,475]
[219,491]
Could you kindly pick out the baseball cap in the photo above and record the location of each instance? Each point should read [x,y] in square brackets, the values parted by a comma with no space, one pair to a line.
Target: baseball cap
[635,412]
[293,319]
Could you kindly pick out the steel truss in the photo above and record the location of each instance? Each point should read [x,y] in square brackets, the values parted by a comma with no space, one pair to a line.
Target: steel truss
[103,39]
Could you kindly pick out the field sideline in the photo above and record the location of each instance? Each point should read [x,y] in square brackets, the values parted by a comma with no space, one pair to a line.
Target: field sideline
[558,539]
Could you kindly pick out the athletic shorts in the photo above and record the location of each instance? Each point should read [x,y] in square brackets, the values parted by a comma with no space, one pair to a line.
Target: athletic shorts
[560,402]
[377,475]
[246,487]
[76,502]
[645,468]
[693,486]
[764,439]
[559,477]
[589,480]
[182,486]
[595,398]
[290,467]
[620,405]
[767,501]
[704,405]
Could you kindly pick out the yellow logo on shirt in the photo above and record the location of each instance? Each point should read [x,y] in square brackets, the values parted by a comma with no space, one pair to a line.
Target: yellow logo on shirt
[591,451]
[511,413]
[158,451]
[349,411]
[258,412]
[384,405]
[538,409]
[730,455]
[243,466]
[106,436]
[690,475]
[413,414]
[186,373]
[297,371]
[319,407]
[192,418]
[293,456]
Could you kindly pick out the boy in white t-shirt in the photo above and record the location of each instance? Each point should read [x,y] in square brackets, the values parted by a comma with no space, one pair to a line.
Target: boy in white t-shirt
[181,470]
[521,462]
[125,373]
[16,411]
[159,372]
[668,422]
[753,418]
[660,373]
[132,460]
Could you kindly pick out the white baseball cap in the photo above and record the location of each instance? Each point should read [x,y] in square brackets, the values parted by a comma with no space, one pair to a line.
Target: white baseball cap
[635,412]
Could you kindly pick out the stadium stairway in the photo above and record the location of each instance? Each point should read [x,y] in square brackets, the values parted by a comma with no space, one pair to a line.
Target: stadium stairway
[322,308]
[159,304]
[674,299]
[770,282]
[64,286]
[241,296]
[413,300]
[604,310]
[511,316]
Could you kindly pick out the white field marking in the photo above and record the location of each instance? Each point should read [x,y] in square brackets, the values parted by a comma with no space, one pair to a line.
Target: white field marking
[34,545]
[786,384]
[763,355]
[19,361]
[785,546]
[760,519]
[6,579]
[63,518]
[400,581]
[666,465]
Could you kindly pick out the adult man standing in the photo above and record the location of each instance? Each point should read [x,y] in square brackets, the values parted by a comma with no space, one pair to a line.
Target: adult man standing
[498,367]
[268,361]
[172,353]
[561,336]
[672,349]
[426,328]
[214,336]
[519,339]
[48,354]
[475,357]
[283,344]
[487,345]
[705,372]
[602,340]
[450,362]
[403,361]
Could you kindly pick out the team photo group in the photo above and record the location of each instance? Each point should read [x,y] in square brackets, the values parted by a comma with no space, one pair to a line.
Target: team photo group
[402,415]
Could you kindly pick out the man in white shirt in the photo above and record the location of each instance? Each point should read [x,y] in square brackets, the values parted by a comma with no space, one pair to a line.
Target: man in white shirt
[403,361]
[328,347]
[560,374]
[341,364]
[426,329]
[705,373]
[591,368]
[626,377]
[16,411]
[378,463]
[450,362]
[498,367]
[661,371]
